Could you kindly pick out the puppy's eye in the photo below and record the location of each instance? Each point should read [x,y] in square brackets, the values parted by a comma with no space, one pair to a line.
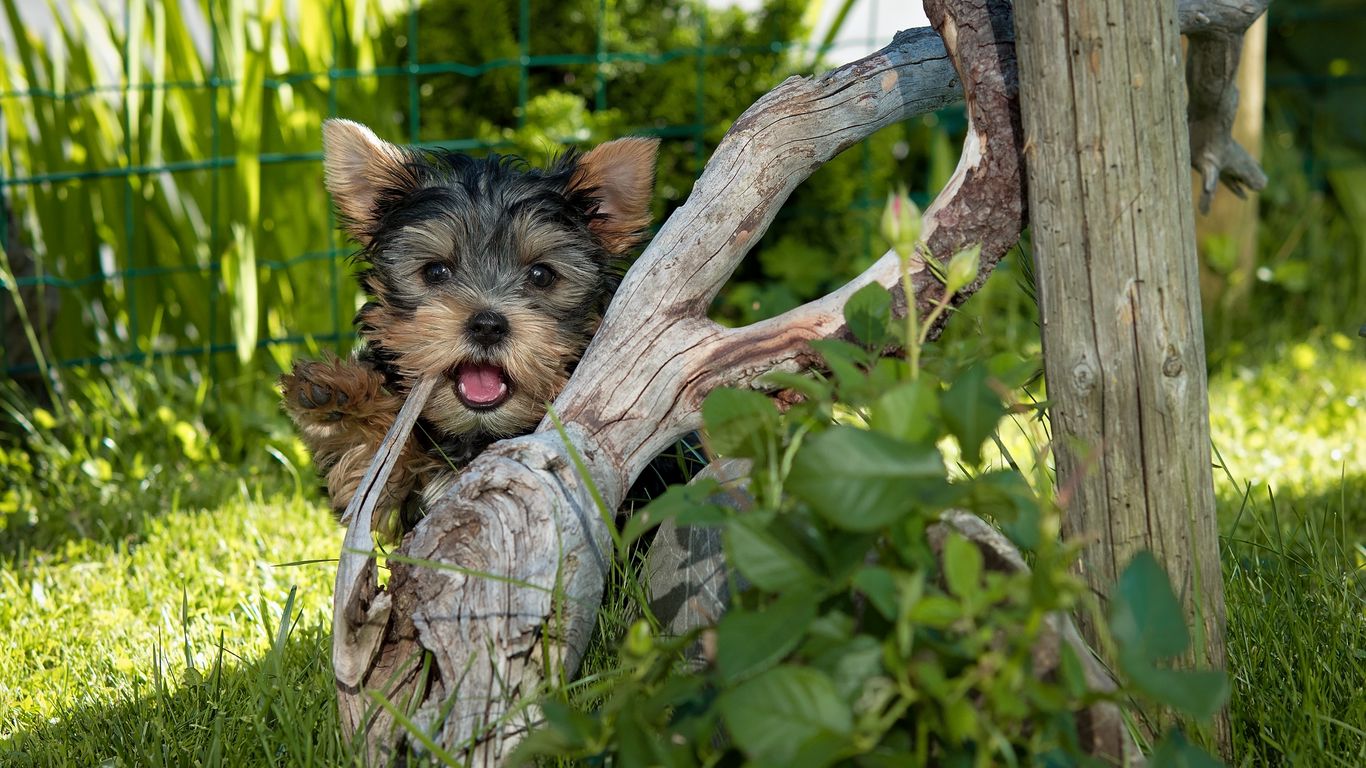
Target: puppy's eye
[436,272]
[541,276]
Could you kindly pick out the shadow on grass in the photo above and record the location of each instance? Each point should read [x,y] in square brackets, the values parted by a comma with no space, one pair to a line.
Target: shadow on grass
[130,445]
[279,709]
[60,514]
[1264,521]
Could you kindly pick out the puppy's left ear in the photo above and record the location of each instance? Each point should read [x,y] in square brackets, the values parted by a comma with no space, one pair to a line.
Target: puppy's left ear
[621,174]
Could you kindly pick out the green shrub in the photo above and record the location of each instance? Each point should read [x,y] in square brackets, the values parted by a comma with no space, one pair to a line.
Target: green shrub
[200,224]
[850,642]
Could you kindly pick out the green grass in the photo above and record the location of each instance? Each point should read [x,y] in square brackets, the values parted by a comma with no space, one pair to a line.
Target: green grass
[191,645]
[149,613]
[148,617]
[1289,425]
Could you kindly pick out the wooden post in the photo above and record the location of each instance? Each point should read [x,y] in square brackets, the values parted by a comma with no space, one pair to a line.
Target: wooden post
[1106,148]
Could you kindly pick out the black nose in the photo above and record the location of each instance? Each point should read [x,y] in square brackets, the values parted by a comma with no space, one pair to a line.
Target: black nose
[488,327]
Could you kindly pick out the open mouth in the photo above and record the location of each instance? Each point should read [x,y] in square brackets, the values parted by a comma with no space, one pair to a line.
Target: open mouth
[481,386]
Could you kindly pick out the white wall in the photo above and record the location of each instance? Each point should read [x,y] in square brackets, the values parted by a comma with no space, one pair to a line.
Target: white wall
[868,27]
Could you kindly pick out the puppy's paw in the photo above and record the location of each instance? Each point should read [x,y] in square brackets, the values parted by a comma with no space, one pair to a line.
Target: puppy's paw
[326,391]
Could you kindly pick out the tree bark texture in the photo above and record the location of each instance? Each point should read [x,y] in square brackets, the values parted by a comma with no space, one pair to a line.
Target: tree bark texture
[494,594]
[1215,29]
[1118,278]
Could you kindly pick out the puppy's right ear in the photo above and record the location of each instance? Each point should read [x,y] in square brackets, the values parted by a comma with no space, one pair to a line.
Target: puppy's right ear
[361,170]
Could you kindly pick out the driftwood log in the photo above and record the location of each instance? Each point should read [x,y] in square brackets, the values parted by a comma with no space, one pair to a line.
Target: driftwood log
[496,591]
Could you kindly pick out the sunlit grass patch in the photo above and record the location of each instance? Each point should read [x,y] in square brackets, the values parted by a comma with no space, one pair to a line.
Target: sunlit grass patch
[1295,591]
[1288,423]
[1291,417]
[146,612]
[104,627]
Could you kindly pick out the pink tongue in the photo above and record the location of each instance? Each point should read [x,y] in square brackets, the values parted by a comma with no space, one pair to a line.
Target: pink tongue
[481,384]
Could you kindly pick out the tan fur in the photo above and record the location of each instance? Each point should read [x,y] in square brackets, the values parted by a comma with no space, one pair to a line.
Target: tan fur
[342,412]
[338,407]
[356,166]
[342,408]
[623,172]
[535,358]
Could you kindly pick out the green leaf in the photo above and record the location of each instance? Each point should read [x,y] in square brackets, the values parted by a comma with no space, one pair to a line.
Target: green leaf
[1149,625]
[751,641]
[1007,497]
[936,611]
[962,566]
[971,411]
[878,584]
[868,313]
[740,422]
[851,664]
[806,384]
[909,412]
[961,719]
[638,743]
[1197,692]
[705,516]
[1146,619]
[693,501]
[846,363]
[574,728]
[1176,752]
[862,480]
[885,374]
[788,713]
[828,630]
[1014,370]
[770,562]
[1071,671]
[842,553]
[240,283]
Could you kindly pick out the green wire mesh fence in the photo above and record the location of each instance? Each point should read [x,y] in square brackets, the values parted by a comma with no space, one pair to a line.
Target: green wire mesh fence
[161,186]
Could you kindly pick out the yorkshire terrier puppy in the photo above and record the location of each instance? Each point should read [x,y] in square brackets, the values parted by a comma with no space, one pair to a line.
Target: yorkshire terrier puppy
[484,272]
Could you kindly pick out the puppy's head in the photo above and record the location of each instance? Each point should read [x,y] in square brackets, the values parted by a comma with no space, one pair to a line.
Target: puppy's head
[484,271]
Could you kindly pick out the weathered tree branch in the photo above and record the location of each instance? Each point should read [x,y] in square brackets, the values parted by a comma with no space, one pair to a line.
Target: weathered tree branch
[1215,29]
[496,590]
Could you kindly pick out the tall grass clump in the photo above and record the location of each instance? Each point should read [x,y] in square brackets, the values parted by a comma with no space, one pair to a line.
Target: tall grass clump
[160,172]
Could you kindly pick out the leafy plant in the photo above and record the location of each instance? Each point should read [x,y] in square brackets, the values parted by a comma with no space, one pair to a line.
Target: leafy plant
[851,638]
[126,446]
